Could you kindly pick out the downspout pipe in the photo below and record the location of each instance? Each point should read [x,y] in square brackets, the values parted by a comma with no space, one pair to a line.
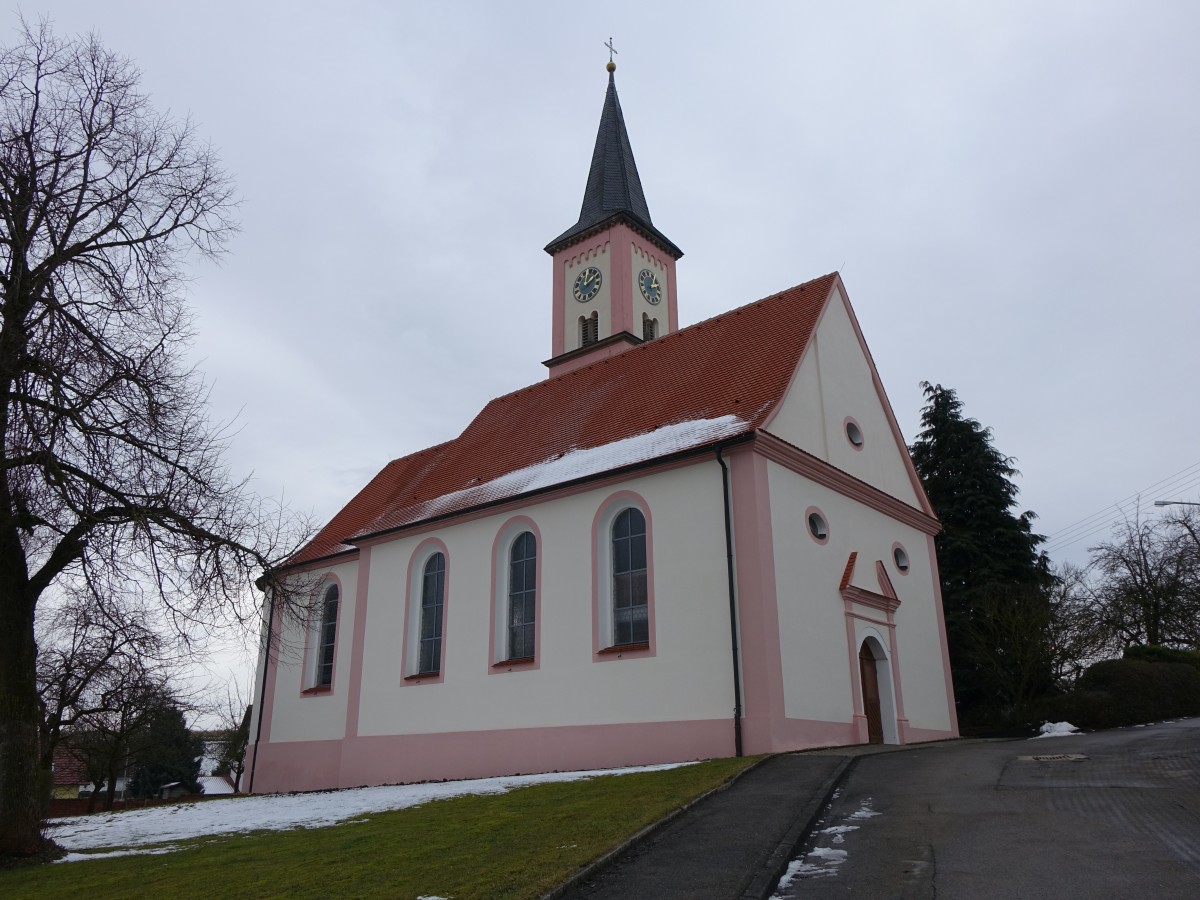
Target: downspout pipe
[262,696]
[733,617]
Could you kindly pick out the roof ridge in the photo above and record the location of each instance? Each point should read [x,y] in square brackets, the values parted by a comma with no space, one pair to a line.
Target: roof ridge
[665,340]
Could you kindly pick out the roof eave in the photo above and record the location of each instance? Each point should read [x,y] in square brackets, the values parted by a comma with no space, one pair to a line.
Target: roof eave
[579,232]
[699,450]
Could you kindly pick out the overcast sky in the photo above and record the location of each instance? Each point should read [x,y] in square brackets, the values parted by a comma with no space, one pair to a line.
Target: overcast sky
[1011,191]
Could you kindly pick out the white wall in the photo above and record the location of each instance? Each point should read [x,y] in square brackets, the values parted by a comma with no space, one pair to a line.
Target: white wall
[690,671]
[313,717]
[817,657]
[833,382]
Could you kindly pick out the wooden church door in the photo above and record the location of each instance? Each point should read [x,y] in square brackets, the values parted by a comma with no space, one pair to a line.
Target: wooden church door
[870,690]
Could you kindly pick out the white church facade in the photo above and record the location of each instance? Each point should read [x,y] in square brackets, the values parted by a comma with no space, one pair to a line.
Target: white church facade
[685,543]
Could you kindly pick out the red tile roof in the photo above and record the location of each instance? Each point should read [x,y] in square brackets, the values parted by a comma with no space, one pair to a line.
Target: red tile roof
[69,766]
[737,364]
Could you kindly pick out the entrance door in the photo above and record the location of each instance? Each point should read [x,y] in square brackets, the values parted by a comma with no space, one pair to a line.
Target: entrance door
[870,689]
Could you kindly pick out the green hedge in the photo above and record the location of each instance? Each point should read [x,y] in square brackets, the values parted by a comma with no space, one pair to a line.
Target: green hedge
[1127,692]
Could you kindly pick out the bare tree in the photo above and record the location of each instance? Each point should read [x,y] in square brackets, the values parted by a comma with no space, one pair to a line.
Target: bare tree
[1148,583]
[107,735]
[88,647]
[233,734]
[112,471]
[1078,634]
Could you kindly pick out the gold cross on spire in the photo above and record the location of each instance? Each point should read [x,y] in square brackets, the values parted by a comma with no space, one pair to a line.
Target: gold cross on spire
[611,50]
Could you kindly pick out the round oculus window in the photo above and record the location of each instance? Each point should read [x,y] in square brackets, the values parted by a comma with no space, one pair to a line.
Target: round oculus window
[854,433]
[901,559]
[817,526]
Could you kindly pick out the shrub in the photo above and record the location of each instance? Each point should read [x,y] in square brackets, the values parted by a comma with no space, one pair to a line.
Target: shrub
[1126,692]
[1155,653]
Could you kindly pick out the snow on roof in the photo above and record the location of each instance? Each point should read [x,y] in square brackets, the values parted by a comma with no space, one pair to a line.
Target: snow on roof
[215,784]
[576,464]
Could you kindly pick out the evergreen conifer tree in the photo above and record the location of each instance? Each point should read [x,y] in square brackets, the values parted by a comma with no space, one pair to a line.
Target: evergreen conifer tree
[994,580]
[167,753]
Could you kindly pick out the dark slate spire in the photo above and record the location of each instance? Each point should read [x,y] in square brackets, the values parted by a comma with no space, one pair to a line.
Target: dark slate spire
[614,190]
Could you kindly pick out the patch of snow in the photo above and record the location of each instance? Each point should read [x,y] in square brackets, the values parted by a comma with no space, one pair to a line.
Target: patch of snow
[800,869]
[839,829]
[145,851]
[828,853]
[576,464]
[1055,729]
[138,827]
[864,811]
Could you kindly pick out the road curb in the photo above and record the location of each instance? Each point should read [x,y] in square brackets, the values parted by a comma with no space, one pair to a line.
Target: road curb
[762,885]
[649,831]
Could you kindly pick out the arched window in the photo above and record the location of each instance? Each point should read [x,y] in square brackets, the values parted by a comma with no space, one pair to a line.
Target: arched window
[522,596]
[433,595]
[326,638]
[631,623]
[649,328]
[589,329]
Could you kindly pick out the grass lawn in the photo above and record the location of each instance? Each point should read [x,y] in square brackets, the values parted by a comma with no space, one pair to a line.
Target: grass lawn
[515,845]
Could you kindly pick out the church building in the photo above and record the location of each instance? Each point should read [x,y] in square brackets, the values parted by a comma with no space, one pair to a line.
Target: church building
[683,544]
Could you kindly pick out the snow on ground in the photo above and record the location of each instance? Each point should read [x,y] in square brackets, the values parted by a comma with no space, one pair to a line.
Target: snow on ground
[1055,729]
[823,862]
[133,829]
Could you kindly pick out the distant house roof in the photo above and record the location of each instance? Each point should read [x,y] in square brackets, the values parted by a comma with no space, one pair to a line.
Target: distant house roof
[69,767]
[712,382]
[215,784]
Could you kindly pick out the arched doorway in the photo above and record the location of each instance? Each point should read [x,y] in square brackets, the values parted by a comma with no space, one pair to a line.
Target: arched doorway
[878,692]
[869,677]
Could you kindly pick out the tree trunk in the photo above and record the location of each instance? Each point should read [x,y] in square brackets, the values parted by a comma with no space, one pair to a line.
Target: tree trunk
[111,793]
[20,721]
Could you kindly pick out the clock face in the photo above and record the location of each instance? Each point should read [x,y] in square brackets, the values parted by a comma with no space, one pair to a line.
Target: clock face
[651,289]
[587,284]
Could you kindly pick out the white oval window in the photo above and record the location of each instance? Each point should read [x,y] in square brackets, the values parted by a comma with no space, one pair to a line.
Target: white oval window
[901,559]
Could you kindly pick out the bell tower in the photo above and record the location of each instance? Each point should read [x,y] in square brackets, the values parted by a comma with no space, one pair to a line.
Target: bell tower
[614,272]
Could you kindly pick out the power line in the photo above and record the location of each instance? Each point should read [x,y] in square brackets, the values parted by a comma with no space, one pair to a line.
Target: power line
[1134,505]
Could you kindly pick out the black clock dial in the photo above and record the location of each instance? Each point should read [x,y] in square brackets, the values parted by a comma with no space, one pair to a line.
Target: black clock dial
[650,288]
[587,284]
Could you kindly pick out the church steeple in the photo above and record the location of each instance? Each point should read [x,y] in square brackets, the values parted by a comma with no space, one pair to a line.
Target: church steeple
[614,272]
[614,189]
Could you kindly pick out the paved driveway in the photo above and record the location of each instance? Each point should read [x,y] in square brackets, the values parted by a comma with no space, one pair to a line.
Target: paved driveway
[1113,814]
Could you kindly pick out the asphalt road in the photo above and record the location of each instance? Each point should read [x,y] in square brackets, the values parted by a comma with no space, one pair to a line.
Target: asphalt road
[1112,814]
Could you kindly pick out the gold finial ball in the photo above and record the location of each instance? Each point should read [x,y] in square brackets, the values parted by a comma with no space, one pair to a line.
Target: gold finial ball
[612,66]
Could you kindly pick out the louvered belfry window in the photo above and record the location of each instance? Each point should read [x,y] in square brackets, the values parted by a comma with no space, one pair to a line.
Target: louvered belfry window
[649,328]
[522,596]
[589,329]
[631,623]
[433,590]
